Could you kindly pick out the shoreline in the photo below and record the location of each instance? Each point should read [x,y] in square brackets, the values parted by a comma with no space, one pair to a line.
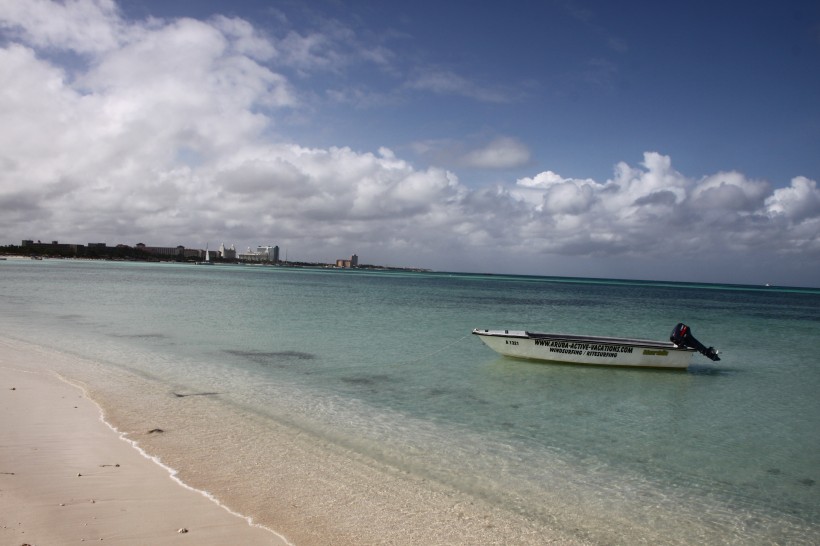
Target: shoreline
[67,476]
[308,490]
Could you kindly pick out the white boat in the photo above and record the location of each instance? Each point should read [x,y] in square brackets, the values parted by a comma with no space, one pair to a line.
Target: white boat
[597,350]
[207,257]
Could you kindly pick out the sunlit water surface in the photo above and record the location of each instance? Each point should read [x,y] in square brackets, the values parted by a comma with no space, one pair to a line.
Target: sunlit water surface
[382,363]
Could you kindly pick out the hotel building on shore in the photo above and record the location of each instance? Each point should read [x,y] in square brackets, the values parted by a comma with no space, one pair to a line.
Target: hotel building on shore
[185,253]
[227,253]
[347,264]
[171,252]
[262,254]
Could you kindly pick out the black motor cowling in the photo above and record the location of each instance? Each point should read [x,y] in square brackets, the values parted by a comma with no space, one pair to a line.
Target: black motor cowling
[682,337]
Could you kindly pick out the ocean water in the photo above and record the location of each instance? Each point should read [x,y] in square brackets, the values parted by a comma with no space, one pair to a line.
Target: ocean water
[380,369]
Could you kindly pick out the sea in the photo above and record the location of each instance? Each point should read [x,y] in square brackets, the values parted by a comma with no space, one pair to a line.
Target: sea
[356,404]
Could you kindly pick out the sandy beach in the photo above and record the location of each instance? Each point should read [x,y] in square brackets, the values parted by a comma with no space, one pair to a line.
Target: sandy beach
[67,477]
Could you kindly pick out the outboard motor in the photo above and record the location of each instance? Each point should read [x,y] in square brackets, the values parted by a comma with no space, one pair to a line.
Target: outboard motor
[682,337]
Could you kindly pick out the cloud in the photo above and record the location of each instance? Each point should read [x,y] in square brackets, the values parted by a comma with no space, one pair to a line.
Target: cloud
[164,136]
[245,39]
[731,191]
[82,26]
[447,82]
[797,203]
[653,210]
[501,153]
[328,46]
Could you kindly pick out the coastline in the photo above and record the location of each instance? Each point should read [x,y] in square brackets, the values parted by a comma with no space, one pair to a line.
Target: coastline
[66,476]
[307,490]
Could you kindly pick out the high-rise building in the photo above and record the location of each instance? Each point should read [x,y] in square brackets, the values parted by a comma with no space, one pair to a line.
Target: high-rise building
[262,254]
[352,262]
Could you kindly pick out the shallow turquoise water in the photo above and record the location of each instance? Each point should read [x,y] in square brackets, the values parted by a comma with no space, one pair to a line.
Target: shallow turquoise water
[383,363]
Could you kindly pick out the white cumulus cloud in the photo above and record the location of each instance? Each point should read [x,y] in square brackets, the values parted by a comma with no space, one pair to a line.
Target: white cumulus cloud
[162,133]
[798,202]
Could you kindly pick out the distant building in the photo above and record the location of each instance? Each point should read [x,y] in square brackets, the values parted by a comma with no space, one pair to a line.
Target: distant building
[271,252]
[262,254]
[227,253]
[167,251]
[347,264]
[53,247]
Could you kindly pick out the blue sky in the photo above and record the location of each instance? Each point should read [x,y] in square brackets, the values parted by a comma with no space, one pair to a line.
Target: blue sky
[717,85]
[633,139]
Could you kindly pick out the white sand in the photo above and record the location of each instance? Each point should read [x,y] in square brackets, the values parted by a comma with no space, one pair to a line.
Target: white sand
[66,477]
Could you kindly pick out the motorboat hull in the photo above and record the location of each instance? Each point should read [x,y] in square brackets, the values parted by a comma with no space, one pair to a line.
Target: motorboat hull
[589,350]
